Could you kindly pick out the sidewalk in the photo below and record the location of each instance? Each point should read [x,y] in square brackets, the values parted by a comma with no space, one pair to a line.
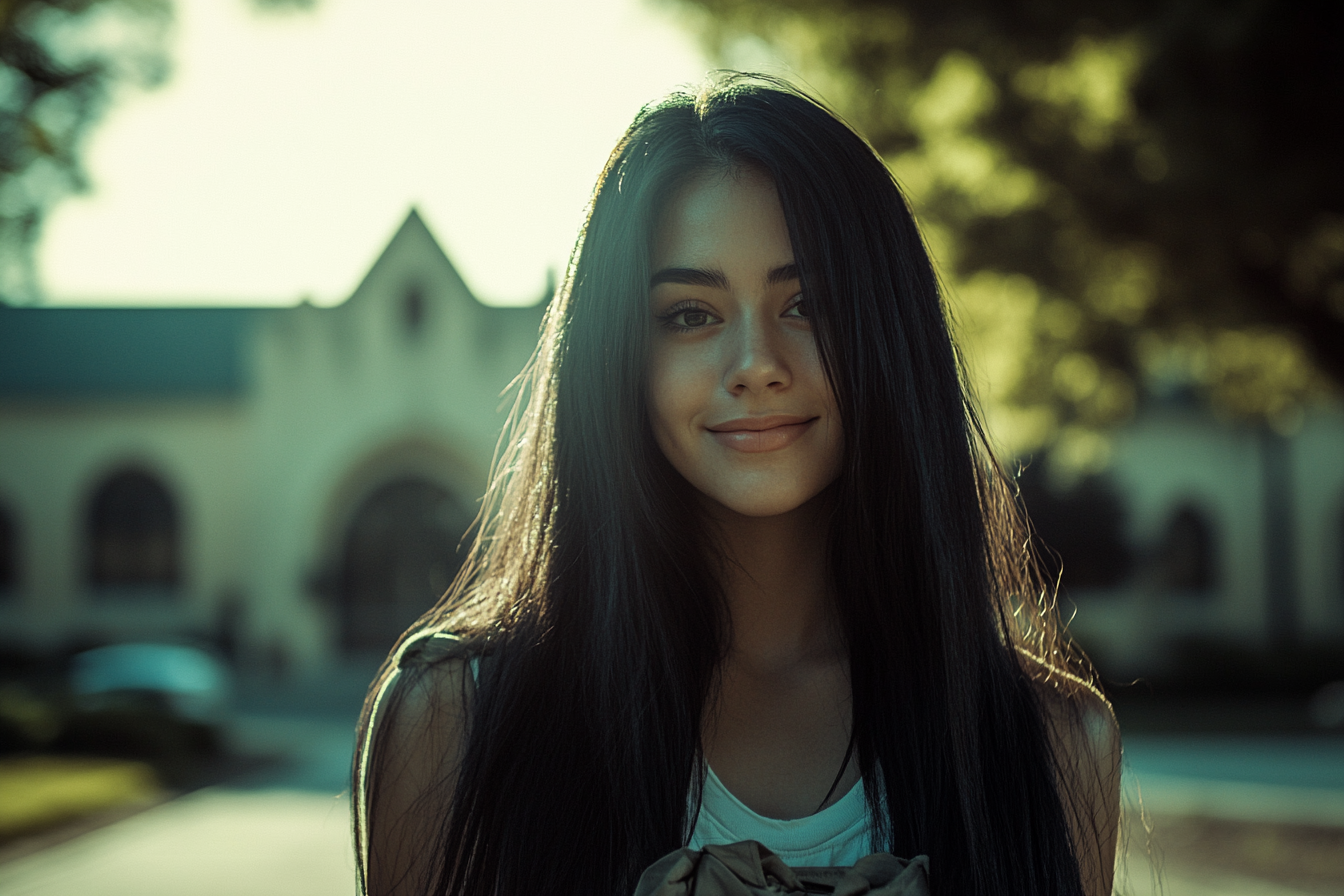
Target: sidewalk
[214,842]
[285,831]
[227,842]
[1234,814]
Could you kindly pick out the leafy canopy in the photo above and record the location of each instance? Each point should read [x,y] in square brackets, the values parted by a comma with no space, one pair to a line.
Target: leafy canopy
[62,64]
[1127,199]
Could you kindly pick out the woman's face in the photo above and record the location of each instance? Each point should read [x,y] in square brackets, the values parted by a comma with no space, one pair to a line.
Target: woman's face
[738,400]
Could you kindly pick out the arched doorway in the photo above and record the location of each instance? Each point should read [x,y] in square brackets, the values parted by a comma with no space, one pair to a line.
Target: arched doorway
[400,554]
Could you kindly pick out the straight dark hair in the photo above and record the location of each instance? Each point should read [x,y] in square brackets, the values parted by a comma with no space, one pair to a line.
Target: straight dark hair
[593,587]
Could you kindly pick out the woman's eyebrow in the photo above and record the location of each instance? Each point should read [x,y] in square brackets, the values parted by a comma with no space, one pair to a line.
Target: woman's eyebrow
[785,273]
[715,279]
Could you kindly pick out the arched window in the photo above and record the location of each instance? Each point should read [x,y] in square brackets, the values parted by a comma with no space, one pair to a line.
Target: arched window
[133,533]
[1186,557]
[9,552]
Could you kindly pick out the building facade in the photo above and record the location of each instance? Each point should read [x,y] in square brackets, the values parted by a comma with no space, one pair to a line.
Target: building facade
[292,484]
[289,483]
[1235,535]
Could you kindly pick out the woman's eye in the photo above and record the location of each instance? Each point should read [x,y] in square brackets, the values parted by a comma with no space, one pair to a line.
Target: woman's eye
[687,319]
[797,309]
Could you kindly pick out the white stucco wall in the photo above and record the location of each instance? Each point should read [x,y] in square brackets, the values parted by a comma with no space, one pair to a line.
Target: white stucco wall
[348,398]
[1318,474]
[341,401]
[53,457]
[1172,457]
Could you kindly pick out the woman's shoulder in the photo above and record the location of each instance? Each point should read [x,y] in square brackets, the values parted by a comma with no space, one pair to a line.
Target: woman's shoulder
[428,687]
[413,745]
[1080,719]
[1085,740]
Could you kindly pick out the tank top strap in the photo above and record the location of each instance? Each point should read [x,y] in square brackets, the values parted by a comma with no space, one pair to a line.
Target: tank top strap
[432,648]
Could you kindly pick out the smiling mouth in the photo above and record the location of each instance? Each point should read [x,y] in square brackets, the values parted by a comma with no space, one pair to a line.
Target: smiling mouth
[756,434]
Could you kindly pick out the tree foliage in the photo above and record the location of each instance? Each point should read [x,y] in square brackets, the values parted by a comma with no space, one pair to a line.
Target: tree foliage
[60,62]
[1125,198]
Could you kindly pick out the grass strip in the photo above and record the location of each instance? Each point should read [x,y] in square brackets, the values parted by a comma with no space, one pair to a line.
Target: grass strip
[39,792]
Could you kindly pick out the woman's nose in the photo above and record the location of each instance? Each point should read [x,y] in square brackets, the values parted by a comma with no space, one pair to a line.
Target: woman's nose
[757,362]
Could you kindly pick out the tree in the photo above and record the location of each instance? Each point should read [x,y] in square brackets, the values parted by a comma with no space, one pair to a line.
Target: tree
[1124,198]
[60,62]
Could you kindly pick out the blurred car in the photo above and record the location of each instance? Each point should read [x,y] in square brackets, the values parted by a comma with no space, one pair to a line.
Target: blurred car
[149,700]
[186,681]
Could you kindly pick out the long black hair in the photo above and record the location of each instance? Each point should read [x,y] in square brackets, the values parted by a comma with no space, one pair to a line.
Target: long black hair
[592,586]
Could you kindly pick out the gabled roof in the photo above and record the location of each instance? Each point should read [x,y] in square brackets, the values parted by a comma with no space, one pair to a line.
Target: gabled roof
[75,353]
[123,352]
[412,232]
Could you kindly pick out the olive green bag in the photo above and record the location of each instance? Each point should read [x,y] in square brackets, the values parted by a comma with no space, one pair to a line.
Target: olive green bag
[749,869]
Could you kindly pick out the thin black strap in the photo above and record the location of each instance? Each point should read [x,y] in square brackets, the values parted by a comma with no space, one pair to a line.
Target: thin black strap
[844,764]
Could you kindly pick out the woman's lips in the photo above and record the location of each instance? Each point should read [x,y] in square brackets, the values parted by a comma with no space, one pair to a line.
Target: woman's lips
[754,434]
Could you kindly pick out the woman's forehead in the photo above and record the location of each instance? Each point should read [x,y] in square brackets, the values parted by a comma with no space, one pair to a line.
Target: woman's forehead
[722,219]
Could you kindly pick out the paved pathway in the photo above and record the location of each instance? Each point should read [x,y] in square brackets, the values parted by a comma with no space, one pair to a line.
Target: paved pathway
[1188,882]
[1280,780]
[215,842]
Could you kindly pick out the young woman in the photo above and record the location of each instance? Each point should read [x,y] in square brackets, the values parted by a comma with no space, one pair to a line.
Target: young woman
[747,569]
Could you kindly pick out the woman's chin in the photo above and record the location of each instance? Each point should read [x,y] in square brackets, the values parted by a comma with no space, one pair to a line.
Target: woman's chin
[754,505]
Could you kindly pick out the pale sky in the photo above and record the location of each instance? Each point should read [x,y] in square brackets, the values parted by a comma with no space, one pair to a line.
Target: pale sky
[285,149]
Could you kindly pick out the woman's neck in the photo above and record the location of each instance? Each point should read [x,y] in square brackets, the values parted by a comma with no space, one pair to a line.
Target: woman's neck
[777,585]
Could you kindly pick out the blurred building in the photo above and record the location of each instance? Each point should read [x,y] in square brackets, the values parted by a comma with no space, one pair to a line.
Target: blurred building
[291,484]
[1202,533]
[288,483]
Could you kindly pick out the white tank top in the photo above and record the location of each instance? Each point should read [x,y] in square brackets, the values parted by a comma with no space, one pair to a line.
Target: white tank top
[837,835]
